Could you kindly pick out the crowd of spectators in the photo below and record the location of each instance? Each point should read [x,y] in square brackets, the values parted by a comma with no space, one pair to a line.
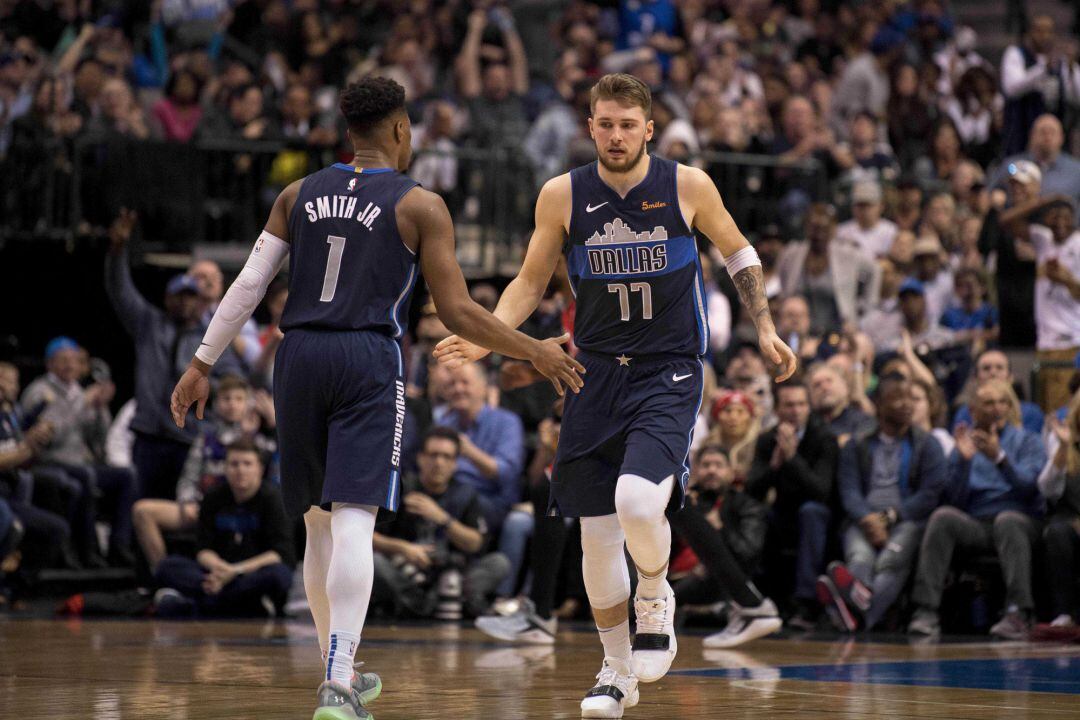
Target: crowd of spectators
[936,247]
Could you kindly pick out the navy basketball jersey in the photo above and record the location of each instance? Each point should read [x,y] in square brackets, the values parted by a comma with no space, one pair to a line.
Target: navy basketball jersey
[348,266]
[634,267]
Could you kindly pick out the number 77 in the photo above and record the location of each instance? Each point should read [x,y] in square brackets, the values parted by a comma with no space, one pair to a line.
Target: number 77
[624,298]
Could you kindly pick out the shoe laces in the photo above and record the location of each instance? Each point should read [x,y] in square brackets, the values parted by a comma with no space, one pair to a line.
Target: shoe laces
[608,675]
[651,615]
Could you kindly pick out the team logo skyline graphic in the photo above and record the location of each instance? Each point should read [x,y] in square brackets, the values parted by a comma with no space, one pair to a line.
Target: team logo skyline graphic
[618,232]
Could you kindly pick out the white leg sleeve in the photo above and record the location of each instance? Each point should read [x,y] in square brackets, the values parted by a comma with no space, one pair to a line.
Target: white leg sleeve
[640,506]
[317,553]
[348,584]
[603,562]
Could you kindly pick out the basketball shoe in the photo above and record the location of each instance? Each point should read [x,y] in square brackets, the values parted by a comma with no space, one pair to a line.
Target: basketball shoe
[654,639]
[746,624]
[616,689]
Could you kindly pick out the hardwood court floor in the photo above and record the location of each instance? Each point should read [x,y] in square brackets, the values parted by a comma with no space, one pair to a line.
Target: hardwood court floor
[116,670]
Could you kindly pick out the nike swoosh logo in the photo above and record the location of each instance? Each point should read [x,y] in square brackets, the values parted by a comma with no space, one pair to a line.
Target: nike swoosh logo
[679,378]
[590,208]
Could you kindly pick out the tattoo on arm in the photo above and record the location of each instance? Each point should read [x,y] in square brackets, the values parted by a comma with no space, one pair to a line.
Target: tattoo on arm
[750,283]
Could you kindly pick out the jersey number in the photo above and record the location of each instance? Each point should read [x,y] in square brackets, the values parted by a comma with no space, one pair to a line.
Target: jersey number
[333,267]
[624,298]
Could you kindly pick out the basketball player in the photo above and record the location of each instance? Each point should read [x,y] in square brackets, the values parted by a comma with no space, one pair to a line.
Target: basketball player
[356,236]
[624,224]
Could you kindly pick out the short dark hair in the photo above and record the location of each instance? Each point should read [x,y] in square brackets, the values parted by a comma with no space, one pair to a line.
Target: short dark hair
[793,383]
[245,444]
[371,100]
[709,449]
[441,432]
[893,378]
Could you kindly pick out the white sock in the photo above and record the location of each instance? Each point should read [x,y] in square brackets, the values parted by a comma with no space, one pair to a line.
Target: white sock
[640,506]
[339,664]
[348,584]
[616,640]
[652,586]
[317,553]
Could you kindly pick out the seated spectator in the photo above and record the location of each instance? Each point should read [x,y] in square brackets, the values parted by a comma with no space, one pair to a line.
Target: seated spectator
[1060,171]
[885,316]
[839,283]
[1057,297]
[440,529]
[120,114]
[246,118]
[492,443]
[889,483]
[1059,482]
[872,159]
[178,114]
[233,417]
[793,326]
[796,462]
[973,319]
[830,400]
[46,535]
[917,320]
[80,419]
[993,504]
[722,532]
[928,411]
[245,558]
[935,276]
[867,230]
[735,429]
[994,365]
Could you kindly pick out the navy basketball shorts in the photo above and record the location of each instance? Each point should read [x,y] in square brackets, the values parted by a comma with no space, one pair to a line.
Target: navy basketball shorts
[340,402]
[632,417]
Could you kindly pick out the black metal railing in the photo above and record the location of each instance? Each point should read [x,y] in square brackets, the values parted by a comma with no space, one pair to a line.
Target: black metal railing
[219,192]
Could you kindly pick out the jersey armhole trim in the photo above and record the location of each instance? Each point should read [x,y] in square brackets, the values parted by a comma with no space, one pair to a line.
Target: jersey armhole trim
[413,253]
[678,205]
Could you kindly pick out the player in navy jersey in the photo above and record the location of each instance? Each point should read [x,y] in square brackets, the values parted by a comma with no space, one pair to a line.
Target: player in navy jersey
[356,237]
[625,226]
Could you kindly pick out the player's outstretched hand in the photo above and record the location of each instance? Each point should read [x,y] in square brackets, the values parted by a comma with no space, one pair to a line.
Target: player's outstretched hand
[192,388]
[556,365]
[776,351]
[455,351]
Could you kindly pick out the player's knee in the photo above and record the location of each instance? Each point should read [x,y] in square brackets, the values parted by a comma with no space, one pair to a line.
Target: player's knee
[639,502]
[600,532]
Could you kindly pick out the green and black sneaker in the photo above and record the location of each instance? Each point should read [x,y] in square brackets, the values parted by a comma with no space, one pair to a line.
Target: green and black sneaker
[338,702]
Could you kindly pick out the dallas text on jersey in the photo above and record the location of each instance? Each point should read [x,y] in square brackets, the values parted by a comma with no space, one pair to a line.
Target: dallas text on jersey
[607,258]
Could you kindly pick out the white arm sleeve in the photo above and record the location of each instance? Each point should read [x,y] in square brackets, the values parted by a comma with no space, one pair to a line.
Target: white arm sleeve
[741,259]
[244,295]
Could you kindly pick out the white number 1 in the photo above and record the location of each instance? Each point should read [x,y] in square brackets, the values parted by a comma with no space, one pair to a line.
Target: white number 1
[624,299]
[333,267]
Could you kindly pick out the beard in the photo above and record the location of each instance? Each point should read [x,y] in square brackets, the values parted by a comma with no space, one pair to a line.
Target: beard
[628,163]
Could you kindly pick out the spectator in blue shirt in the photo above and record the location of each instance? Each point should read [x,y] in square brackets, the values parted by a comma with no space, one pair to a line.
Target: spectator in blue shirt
[492,443]
[994,365]
[974,319]
[889,482]
[993,505]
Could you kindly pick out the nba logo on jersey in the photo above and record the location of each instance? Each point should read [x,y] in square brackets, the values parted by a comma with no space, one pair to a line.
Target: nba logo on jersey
[352,184]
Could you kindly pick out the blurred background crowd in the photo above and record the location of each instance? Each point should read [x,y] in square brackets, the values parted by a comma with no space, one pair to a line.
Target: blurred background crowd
[905,170]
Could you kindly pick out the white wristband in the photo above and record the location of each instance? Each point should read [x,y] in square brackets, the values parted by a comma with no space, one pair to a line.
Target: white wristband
[741,259]
[244,295]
